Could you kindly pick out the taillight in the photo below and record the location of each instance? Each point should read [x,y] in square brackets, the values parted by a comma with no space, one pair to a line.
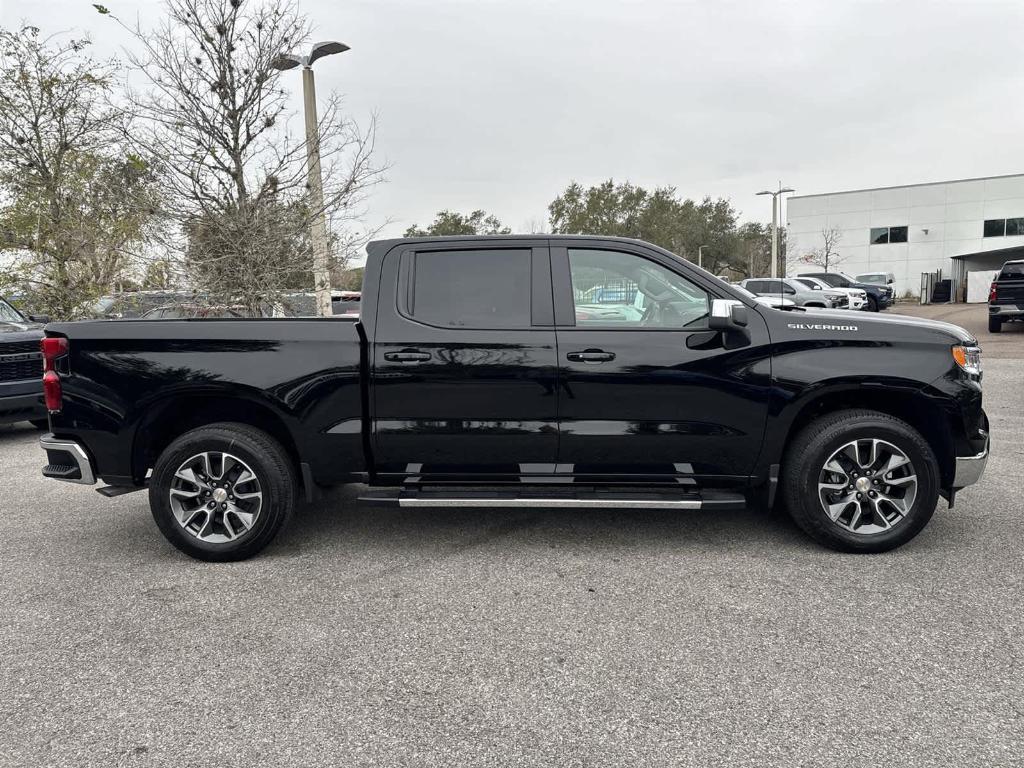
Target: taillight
[992,293]
[53,347]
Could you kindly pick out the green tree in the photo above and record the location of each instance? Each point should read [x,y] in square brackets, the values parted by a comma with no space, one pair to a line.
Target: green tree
[449,223]
[659,217]
[75,205]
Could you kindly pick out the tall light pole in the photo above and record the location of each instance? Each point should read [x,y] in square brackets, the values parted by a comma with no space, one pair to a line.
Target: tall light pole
[700,255]
[775,225]
[318,223]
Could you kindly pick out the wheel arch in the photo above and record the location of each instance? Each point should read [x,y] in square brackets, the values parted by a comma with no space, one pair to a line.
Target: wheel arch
[171,417]
[903,400]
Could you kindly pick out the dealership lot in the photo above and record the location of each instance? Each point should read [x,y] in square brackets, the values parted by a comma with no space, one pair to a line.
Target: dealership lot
[378,636]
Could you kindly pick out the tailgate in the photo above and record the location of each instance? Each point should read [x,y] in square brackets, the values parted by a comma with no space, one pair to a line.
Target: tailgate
[1010,292]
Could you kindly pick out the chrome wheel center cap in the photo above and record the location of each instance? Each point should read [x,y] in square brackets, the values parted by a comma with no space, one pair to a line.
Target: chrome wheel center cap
[863,485]
[220,495]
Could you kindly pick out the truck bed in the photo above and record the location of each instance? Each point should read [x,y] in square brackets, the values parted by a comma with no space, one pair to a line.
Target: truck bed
[301,376]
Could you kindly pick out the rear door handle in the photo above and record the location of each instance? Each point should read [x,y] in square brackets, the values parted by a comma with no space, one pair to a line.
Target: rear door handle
[591,356]
[407,356]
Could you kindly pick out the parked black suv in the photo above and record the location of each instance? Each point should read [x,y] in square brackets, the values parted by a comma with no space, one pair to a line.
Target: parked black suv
[1006,296]
[21,366]
[879,296]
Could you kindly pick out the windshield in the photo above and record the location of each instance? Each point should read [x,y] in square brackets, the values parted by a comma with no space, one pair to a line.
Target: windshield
[873,279]
[9,314]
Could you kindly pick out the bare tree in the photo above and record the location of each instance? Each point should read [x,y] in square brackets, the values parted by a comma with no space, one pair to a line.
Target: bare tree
[74,205]
[826,256]
[215,114]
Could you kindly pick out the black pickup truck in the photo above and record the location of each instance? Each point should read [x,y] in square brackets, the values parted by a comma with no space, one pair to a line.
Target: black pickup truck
[1006,296]
[523,371]
[21,365]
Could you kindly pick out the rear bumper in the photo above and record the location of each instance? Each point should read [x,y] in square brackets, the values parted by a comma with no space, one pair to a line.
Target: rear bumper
[1005,310]
[67,460]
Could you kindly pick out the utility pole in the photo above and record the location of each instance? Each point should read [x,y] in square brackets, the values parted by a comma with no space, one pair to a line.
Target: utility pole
[700,255]
[318,223]
[775,225]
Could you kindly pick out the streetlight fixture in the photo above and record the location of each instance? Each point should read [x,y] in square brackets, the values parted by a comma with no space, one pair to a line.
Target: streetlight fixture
[318,225]
[775,225]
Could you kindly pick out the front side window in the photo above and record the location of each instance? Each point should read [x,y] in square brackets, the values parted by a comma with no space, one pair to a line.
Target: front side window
[612,288]
[472,289]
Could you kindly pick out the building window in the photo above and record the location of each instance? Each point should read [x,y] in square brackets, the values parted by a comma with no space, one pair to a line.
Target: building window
[995,227]
[1007,227]
[882,235]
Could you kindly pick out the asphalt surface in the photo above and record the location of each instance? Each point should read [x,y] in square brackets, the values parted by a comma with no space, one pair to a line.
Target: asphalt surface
[372,636]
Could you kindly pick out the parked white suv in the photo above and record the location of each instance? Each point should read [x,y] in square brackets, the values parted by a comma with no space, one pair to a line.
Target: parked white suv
[858,296]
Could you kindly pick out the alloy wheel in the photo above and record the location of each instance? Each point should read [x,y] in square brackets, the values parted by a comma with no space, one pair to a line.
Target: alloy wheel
[867,486]
[216,497]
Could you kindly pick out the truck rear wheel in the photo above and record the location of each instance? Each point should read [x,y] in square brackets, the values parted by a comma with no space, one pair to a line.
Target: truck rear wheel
[995,324]
[222,492]
[860,481]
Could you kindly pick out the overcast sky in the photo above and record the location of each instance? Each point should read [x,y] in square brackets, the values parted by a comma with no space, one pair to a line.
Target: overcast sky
[498,104]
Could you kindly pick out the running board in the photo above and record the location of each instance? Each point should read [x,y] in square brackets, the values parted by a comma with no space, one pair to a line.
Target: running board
[581,500]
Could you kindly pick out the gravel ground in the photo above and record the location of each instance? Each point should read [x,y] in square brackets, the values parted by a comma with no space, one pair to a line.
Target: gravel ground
[374,636]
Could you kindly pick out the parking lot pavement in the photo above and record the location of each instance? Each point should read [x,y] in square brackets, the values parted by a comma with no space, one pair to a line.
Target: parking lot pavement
[377,636]
[974,317]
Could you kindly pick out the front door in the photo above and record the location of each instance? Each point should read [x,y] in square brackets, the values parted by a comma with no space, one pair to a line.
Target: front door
[647,390]
[464,362]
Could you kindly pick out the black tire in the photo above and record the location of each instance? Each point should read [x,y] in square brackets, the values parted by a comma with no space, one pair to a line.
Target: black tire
[268,461]
[995,324]
[872,304]
[43,425]
[811,448]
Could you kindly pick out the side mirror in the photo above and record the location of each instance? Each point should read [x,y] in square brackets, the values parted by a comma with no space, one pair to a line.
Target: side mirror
[815,287]
[44,319]
[727,315]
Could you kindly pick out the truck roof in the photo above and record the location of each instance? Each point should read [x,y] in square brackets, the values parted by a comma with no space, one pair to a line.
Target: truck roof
[484,238]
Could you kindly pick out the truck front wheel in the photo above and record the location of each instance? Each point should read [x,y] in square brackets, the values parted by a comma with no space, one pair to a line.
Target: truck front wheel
[860,481]
[222,492]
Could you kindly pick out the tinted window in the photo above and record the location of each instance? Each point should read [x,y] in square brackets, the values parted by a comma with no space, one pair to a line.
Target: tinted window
[1012,271]
[611,288]
[472,289]
[898,234]
[1014,227]
[879,235]
[995,227]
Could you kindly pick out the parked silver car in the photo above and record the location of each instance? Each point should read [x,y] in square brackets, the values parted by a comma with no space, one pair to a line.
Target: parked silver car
[797,292]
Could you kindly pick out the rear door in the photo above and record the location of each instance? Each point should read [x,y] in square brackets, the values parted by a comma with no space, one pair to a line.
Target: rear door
[464,362]
[647,390]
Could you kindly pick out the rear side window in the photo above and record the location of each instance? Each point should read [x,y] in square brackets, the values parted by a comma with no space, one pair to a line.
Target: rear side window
[471,289]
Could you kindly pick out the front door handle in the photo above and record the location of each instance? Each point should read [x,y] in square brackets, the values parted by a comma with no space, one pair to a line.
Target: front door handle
[407,356]
[591,356]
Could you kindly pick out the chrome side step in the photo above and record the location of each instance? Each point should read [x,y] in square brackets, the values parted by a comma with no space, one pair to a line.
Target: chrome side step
[498,503]
[545,499]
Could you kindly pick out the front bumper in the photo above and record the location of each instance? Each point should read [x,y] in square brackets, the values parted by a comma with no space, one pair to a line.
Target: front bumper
[66,460]
[969,469]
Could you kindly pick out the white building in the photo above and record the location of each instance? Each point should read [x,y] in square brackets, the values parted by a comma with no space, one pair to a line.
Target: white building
[914,229]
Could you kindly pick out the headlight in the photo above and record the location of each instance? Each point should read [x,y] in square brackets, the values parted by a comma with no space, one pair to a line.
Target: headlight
[969,359]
